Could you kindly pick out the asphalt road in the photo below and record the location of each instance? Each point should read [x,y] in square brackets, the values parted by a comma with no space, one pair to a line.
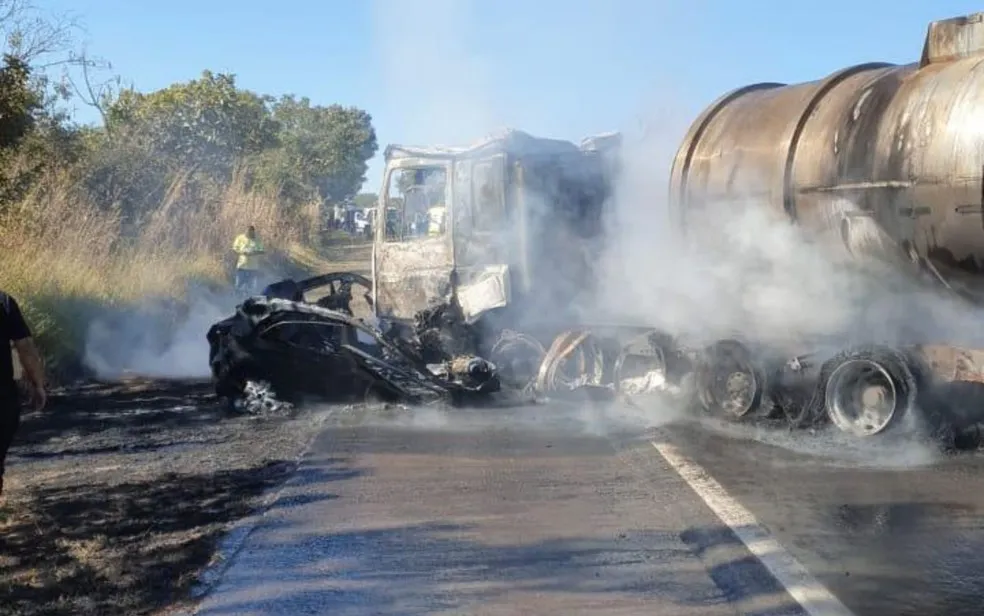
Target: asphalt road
[540,511]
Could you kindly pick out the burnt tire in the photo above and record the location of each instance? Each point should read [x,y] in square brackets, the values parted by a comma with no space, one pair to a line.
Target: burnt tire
[640,357]
[878,391]
[730,383]
[517,357]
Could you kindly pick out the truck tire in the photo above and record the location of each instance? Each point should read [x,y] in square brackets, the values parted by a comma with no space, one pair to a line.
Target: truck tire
[876,390]
[640,357]
[730,383]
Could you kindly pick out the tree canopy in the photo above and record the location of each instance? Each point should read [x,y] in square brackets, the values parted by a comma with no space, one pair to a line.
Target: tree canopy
[205,130]
[366,200]
[208,122]
[322,151]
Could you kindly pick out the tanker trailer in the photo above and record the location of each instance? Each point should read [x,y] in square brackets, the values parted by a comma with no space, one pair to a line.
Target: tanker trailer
[886,163]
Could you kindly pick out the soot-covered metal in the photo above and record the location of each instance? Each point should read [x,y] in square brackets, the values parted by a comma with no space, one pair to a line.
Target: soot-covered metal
[305,350]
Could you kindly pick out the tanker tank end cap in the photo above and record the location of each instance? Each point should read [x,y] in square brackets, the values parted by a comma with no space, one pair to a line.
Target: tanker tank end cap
[951,39]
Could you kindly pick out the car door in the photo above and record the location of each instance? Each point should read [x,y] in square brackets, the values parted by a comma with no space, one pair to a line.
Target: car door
[300,353]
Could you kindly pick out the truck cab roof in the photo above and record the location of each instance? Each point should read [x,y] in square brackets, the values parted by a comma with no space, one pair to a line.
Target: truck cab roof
[513,142]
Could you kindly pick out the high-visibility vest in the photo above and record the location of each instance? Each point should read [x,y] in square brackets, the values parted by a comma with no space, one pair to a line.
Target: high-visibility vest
[248,250]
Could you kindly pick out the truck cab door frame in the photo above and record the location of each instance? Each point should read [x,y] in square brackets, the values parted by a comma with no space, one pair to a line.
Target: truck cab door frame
[486,240]
[408,274]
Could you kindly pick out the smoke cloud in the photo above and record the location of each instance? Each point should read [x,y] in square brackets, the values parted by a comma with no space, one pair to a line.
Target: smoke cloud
[161,338]
[744,269]
[155,341]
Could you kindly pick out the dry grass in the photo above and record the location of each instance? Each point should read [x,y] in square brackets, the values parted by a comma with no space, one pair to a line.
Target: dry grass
[65,257]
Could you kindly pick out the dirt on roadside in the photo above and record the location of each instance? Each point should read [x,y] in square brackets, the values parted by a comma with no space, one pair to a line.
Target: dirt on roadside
[117,495]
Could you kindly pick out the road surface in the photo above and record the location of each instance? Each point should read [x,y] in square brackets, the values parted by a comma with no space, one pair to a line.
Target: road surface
[513,516]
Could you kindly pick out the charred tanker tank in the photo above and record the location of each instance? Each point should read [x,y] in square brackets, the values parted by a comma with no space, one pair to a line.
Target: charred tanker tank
[885,162]
[888,158]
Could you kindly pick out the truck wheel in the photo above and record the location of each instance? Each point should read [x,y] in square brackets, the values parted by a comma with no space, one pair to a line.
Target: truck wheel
[871,390]
[517,358]
[730,383]
[641,365]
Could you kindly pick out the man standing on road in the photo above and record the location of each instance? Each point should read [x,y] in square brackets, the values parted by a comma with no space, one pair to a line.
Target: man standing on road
[248,247]
[14,330]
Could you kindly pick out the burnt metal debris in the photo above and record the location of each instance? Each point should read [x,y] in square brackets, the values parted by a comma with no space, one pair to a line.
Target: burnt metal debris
[304,350]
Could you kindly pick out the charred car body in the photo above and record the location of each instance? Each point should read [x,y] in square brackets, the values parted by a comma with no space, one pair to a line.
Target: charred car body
[318,349]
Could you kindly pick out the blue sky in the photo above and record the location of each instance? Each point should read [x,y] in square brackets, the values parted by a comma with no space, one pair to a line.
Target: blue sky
[450,71]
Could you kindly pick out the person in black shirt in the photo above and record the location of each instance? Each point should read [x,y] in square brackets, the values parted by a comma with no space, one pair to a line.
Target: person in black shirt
[14,330]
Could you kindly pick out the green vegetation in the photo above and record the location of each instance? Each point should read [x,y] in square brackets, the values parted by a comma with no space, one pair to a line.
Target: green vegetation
[139,206]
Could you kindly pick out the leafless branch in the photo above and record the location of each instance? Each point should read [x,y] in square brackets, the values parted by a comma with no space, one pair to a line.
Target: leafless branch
[33,36]
[94,94]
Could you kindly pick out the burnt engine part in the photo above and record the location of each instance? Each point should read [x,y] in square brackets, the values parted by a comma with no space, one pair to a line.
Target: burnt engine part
[441,332]
[472,373]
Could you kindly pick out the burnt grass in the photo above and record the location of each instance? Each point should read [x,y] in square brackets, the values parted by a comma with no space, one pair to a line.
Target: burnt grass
[117,495]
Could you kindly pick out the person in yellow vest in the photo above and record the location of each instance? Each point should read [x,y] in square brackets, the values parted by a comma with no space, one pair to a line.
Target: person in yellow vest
[248,247]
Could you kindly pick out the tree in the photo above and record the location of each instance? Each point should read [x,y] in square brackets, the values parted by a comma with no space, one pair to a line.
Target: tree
[208,122]
[18,101]
[324,149]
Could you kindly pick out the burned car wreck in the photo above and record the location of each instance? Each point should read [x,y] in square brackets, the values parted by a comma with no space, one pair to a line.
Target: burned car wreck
[318,350]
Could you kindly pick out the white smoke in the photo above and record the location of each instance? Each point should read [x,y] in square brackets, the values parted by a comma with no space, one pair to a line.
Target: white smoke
[157,340]
[744,269]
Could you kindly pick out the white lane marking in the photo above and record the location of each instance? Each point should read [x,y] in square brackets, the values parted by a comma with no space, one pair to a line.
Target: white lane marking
[809,593]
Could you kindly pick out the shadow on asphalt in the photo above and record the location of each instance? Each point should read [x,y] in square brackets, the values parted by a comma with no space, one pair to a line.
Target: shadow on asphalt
[421,569]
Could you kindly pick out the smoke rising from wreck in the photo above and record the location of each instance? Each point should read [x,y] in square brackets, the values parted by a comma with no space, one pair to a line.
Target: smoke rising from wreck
[156,341]
[160,338]
[742,269]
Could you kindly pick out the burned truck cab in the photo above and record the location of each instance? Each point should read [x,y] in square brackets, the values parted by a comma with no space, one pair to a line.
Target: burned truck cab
[509,227]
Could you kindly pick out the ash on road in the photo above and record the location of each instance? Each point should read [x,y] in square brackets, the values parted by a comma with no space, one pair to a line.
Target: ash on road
[117,495]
